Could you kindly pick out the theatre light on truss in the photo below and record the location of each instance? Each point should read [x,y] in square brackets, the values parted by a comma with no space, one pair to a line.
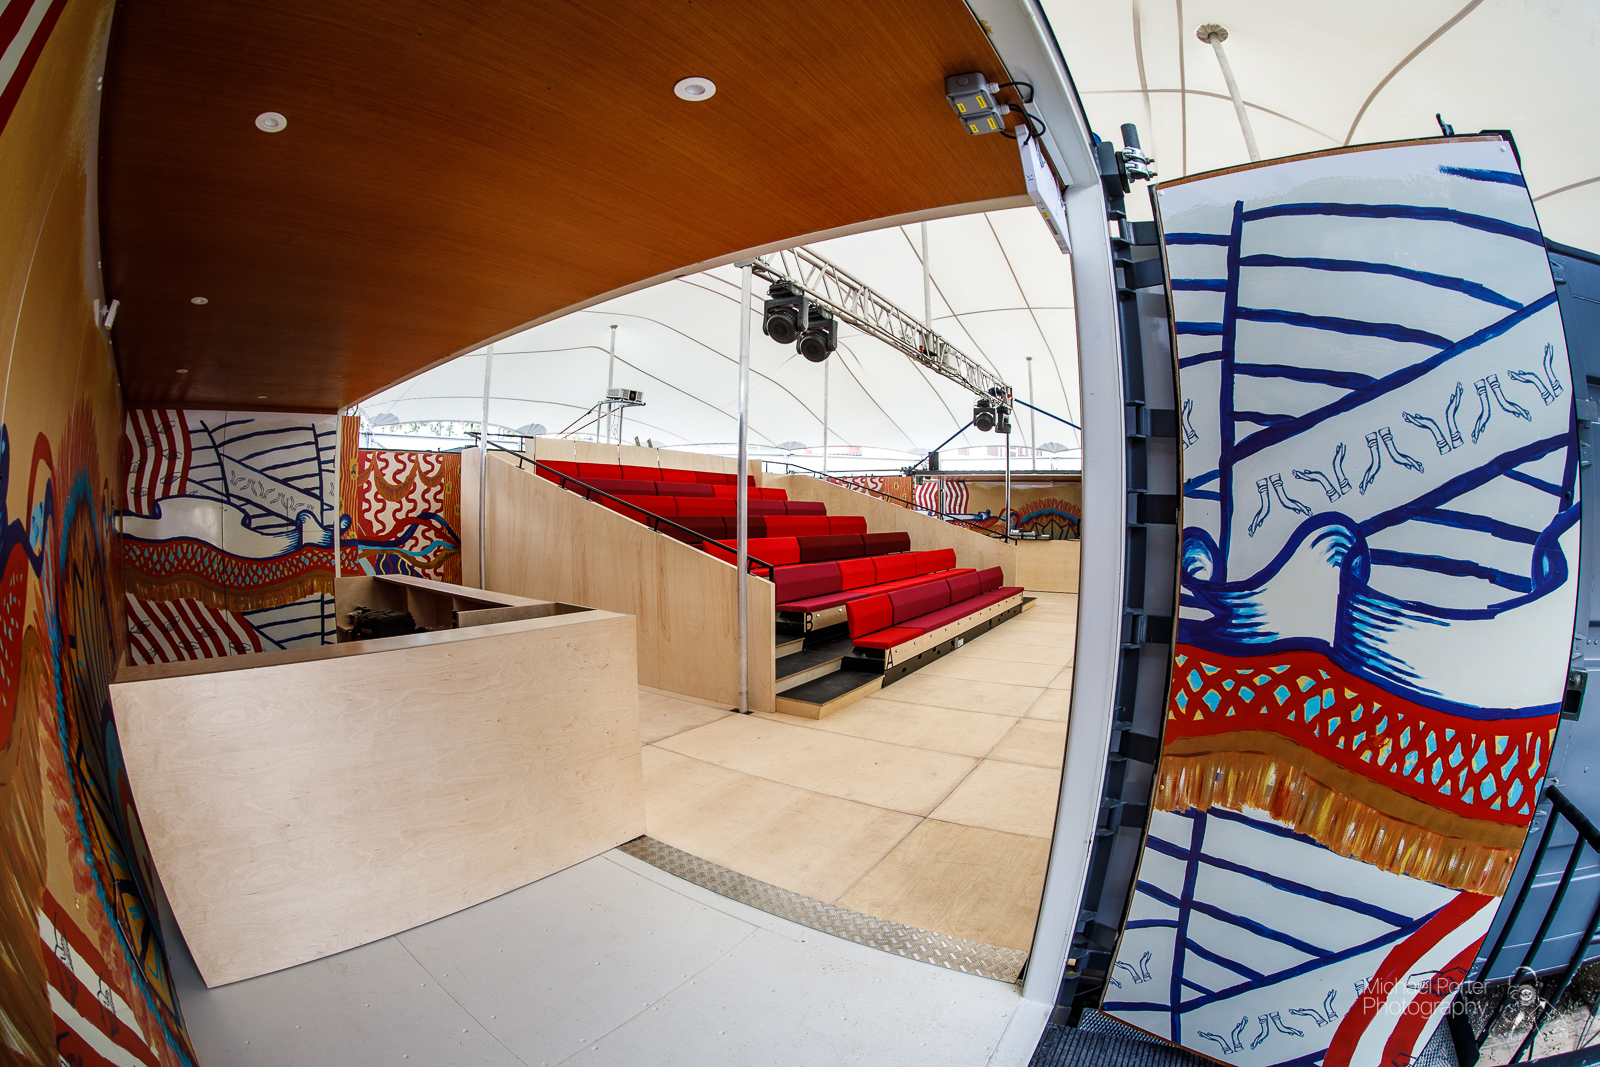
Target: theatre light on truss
[780,317]
[971,97]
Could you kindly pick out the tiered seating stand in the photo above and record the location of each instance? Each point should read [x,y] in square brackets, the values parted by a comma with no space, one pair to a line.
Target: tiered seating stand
[860,591]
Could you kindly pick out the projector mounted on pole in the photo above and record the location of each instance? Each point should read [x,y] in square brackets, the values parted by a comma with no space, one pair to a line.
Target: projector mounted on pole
[850,300]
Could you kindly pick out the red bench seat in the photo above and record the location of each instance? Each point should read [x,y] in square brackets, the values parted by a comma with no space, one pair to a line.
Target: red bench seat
[889,619]
[807,549]
[673,506]
[828,585]
[679,489]
[618,472]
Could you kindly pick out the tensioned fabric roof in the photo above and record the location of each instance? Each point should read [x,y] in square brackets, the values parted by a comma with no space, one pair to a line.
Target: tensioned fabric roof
[1001,292]
[1315,76]
[1312,76]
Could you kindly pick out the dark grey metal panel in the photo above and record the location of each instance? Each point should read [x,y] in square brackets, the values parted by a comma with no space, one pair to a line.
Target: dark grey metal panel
[1575,763]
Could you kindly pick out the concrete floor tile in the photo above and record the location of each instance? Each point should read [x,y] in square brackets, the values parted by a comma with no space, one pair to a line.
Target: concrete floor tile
[979,884]
[1009,797]
[872,772]
[1034,742]
[1012,652]
[806,842]
[974,669]
[773,1001]
[965,733]
[551,967]
[1053,704]
[662,716]
[962,694]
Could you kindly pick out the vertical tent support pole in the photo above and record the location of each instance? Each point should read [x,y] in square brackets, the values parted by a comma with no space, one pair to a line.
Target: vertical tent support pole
[1008,488]
[742,494]
[1033,418]
[611,367]
[927,282]
[825,364]
[483,472]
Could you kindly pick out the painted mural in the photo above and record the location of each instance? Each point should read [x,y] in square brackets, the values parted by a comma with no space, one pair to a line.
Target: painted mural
[1378,566]
[227,532]
[401,510]
[83,970]
[1053,510]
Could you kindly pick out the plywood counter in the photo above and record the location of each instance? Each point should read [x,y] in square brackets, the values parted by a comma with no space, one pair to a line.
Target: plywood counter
[299,803]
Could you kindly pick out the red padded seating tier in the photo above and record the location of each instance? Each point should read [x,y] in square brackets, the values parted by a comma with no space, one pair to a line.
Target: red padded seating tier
[893,618]
[816,586]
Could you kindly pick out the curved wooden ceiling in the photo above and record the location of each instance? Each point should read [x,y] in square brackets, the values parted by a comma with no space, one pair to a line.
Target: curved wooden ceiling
[452,171]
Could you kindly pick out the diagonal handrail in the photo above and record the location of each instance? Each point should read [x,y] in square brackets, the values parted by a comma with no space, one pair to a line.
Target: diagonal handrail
[656,521]
[848,484]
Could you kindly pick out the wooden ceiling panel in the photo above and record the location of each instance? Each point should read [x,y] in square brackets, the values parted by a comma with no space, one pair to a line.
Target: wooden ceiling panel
[452,171]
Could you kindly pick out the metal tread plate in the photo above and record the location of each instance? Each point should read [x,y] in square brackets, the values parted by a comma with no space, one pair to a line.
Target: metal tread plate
[925,946]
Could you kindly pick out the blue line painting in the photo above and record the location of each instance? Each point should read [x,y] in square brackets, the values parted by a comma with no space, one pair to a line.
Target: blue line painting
[1378,552]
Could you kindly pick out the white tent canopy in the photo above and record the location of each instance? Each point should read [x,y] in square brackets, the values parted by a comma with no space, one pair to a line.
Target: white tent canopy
[1001,292]
[1316,76]
[1312,76]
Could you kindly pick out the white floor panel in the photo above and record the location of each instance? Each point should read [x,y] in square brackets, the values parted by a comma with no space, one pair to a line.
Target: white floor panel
[608,962]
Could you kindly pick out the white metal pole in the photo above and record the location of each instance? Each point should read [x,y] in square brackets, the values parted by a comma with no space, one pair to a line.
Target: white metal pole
[825,416]
[483,472]
[1008,488]
[1033,418]
[742,494]
[611,367]
[927,282]
[1214,35]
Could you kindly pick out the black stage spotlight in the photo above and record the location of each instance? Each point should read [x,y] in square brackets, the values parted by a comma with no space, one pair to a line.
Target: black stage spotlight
[781,314]
[983,414]
[821,336]
[1002,420]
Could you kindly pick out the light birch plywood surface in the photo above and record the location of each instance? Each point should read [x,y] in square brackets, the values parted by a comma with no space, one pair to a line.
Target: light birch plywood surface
[1048,566]
[551,544]
[300,808]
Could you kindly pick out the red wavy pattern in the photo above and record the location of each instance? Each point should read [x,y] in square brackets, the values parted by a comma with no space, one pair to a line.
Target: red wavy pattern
[1475,768]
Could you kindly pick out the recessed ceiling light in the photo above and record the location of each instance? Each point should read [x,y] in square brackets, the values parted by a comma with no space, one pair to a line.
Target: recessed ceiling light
[695,89]
[271,122]
[261,396]
[183,370]
[198,300]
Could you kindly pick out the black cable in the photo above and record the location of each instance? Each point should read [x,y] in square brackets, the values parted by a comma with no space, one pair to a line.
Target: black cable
[1013,85]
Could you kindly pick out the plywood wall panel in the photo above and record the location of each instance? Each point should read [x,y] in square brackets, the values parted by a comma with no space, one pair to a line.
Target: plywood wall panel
[551,544]
[1048,566]
[328,798]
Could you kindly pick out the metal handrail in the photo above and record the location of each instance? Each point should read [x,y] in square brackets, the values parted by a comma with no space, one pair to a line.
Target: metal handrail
[1468,1041]
[848,484]
[657,521]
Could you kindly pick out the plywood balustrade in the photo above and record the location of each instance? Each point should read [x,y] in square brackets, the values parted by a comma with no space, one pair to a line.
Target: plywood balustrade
[563,449]
[550,543]
[1048,566]
[926,532]
[304,802]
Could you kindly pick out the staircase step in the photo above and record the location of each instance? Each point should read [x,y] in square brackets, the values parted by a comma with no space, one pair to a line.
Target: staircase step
[811,663]
[788,646]
[823,696]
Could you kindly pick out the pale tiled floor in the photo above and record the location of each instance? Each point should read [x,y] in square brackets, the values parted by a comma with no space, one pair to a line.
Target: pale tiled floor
[930,803]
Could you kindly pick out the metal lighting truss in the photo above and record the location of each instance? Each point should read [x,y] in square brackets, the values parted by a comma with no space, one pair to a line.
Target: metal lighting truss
[852,301]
